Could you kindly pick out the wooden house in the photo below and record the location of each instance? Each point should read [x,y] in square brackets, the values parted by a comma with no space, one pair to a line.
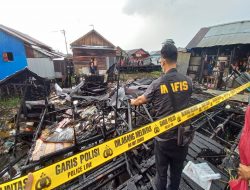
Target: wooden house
[93,45]
[137,56]
[226,44]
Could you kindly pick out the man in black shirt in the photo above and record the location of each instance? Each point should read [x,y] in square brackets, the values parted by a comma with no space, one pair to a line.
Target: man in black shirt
[168,94]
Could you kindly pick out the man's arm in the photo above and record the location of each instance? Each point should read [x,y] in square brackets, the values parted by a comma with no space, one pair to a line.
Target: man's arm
[147,96]
[29,182]
[139,100]
[244,172]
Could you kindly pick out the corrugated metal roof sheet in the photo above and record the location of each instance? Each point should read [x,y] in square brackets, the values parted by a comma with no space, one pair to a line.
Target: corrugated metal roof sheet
[24,37]
[225,34]
[93,47]
[35,44]
[44,67]
[225,40]
[197,38]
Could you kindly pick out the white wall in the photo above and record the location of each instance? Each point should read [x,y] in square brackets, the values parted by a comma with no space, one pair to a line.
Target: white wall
[44,67]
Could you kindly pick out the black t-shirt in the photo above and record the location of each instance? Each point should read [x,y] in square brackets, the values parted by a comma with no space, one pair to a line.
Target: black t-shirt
[158,93]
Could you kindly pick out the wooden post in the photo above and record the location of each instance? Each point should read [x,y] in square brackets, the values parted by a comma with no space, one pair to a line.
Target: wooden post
[15,90]
[231,61]
[202,65]
[8,91]
[21,89]
[218,53]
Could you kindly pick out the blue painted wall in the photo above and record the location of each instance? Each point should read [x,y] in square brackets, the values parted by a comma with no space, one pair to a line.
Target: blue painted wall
[12,44]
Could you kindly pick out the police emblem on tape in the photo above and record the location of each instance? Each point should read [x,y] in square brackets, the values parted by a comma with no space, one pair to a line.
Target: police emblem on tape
[179,118]
[107,152]
[156,129]
[43,182]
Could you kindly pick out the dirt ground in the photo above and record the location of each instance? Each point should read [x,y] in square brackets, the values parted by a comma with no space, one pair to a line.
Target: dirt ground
[8,108]
[133,76]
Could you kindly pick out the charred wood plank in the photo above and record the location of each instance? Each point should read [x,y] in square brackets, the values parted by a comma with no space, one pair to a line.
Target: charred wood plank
[212,142]
[130,182]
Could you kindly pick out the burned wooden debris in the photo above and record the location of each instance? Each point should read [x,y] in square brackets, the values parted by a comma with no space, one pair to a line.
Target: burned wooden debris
[54,126]
[37,87]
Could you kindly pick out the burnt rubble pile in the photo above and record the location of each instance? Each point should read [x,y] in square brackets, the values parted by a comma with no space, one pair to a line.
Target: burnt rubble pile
[65,122]
[68,121]
[25,83]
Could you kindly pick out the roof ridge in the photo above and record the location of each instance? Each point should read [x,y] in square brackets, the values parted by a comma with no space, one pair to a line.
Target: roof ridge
[23,36]
[235,22]
[93,30]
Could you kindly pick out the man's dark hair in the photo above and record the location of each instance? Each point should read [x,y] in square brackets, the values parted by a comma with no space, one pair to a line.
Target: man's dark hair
[169,52]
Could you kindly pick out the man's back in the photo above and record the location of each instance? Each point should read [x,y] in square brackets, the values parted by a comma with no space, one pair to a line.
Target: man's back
[170,93]
[160,95]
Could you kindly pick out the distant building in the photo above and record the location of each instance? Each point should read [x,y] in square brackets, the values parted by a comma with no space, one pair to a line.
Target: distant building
[137,56]
[123,55]
[227,44]
[64,69]
[182,60]
[93,45]
[18,50]
[155,57]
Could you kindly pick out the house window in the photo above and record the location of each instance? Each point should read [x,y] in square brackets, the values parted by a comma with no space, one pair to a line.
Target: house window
[138,55]
[8,56]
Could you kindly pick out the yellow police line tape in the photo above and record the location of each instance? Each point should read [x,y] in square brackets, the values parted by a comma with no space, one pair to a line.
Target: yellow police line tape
[63,171]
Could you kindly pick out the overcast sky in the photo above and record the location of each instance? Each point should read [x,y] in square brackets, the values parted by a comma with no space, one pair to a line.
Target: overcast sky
[126,23]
